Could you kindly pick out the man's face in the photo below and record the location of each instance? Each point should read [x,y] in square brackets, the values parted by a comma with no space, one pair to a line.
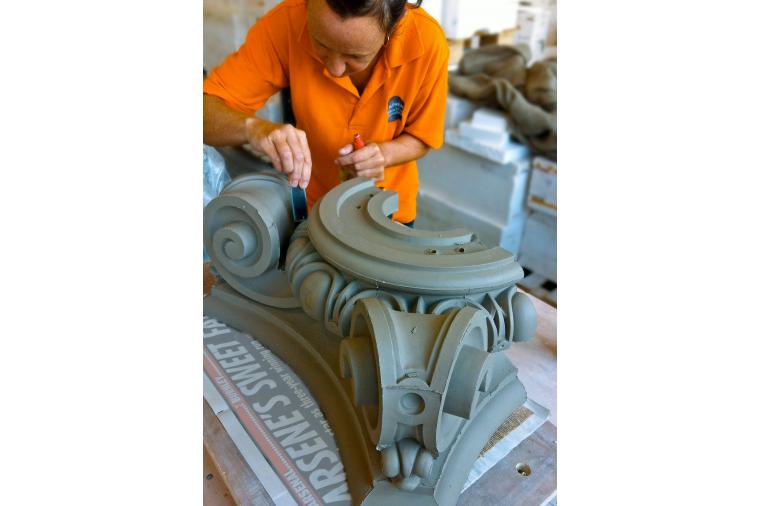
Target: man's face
[345,46]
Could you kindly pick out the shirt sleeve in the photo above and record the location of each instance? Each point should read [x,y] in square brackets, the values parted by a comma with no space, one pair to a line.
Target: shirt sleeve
[426,119]
[256,71]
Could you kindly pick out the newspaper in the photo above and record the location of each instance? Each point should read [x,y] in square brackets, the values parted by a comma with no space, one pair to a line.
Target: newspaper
[281,432]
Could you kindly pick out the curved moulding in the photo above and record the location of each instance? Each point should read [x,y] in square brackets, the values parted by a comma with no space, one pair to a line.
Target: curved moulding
[521,317]
[350,230]
[525,319]
[452,472]
[282,339]
[416,376]
[462,373]
[498,321]
[245,229]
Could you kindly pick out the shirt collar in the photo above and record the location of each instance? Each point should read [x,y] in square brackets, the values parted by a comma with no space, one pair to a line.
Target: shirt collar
[406,43]
[305,40]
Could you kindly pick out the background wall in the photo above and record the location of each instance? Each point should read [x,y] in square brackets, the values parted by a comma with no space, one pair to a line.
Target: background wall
[225,25]
[226,22]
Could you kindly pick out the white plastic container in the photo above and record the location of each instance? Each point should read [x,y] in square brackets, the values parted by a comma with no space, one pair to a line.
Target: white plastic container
[475,185]
[500,153]
[458,109]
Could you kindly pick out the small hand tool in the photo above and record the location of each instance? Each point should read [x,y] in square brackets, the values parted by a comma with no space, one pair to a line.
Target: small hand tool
[358,144]
[298,204]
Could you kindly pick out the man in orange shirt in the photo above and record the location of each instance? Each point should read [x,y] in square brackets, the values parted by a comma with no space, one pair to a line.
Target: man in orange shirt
[373,67]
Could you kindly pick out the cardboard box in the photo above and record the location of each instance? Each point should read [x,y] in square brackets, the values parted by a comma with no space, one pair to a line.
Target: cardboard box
[504,38]
[533,30]
[542,192]
[456,50]
[551,6]
[538,250]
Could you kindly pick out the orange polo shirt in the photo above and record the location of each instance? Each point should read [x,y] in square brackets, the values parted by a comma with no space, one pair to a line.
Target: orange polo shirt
[405,93]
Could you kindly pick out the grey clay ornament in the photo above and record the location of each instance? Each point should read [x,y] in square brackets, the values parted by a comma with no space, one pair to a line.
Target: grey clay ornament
[399,333]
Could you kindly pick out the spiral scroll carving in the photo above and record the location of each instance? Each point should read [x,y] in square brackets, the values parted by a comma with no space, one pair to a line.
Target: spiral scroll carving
[245,229]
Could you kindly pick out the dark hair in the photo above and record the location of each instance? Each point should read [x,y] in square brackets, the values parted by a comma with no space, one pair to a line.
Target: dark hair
[387,12]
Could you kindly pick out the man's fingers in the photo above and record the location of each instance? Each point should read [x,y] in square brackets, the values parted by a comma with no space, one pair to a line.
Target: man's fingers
[365,162]
[306,172]
[298,158]
[360,155]
[370,173]
[375,162]
[350,159]
[360,167]
[271,152]
[284,152]
[345,149]
[284,145]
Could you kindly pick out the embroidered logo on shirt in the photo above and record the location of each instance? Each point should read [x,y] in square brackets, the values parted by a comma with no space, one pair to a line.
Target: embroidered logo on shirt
[395,108]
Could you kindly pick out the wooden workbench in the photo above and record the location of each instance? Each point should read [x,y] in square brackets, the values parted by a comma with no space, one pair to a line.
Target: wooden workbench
[228,480]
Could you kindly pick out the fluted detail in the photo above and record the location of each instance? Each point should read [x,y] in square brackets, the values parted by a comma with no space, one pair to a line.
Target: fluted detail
[325,292]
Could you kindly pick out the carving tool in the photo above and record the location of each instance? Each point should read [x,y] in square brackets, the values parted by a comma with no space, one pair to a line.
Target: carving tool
[358,144]
[298,204]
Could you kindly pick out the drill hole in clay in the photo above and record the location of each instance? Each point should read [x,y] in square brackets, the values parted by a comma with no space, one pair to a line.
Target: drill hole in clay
[430,251]
[460,250]
[523,469]
[412,404]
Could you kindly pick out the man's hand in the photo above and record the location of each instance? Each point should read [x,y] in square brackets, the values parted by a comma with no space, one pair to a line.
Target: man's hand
[368,161]
[285,145]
